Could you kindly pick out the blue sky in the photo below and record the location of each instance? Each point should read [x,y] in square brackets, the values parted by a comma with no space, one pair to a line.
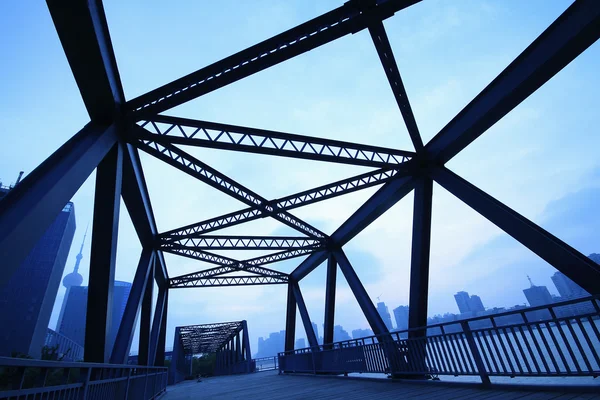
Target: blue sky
[541,159]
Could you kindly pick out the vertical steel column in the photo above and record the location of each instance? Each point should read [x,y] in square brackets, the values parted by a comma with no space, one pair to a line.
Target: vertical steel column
[290,318]
[130,315]
[146,318]
[162,338]
[246,346]
[330,300]
[361,295]
[156,325]
[310,333]
[238,348]
[419,265]
[102,257]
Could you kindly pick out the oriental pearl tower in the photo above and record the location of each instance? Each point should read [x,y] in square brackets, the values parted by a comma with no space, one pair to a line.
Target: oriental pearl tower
[72,279]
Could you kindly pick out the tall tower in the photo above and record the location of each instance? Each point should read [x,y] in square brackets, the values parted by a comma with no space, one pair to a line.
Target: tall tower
[385,315]
[72,279]
[537,295]
[463,301]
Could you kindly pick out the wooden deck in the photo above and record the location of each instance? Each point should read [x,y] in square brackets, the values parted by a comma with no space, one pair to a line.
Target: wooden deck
[270,385]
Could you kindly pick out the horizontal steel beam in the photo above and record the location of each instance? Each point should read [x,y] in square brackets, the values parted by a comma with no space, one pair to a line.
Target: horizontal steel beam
[231,281]
[244,242]
[573,32]
[83,33]
[32,205]
[557,253]
[190,132]
[300,199]
[349,18]
[196,168]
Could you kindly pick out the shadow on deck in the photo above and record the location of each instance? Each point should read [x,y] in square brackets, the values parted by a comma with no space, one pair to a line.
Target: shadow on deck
[270,385]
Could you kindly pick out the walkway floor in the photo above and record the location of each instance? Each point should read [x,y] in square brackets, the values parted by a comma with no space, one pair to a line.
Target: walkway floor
[270,385]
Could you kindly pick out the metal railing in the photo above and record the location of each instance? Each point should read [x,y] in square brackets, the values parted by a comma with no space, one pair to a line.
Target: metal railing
[266,363]
[35,379]
[560,339]
[68,349]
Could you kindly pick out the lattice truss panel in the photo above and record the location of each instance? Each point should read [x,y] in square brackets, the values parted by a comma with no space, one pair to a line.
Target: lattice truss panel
[207,338]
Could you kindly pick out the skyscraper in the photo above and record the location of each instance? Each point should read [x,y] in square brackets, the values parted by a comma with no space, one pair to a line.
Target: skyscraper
[567,288]
[401,317]
[463,301]
[73,319]
[537,295]
[385,315]
[316,330]
[476,304]
[27,299]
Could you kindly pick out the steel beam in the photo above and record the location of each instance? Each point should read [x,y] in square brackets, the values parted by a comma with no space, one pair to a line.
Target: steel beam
[229,242]
[196,168]
[419,263]
[557,253]
[229,281]
[83,33]
[386,56]
[290,319]
[159,360]
[136,198]
[573,32]
[146,318]
[217,271]
[30,208]
[175,130]
[330,300]
[361,295]
[120,351]
[300,199]
[388,195]
[159,313]
[310,333]
[102,256]
[330,26]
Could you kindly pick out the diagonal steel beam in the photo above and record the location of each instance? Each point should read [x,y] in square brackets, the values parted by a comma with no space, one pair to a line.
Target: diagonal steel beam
[300,199]
[388,195]
[83,33]
[196,168]
[245,242]
[573,32]
[384,49]
[225,269]
[557,253]
[190,132]
[230,281]
[349,18]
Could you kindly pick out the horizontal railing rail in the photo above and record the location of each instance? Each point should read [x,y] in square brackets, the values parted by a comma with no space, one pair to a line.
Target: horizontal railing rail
[266,363]
[26,378]
[560,339]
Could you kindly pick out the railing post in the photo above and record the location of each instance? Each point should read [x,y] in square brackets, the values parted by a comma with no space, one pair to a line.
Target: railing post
[128,382]
[86,383]
[485,378]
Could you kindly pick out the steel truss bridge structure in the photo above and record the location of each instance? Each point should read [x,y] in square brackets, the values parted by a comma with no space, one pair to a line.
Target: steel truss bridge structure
[229,341]
[119,128]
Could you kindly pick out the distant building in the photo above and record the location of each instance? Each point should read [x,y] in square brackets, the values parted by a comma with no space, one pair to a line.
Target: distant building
[300,344]
[72,324]
[339,334]
[361,333]
[28,297]
[537,295]
[272,345]
[401,317]
[463,301]
[476,304]
[72,279]
[316,330]
[567,288]
[385,315]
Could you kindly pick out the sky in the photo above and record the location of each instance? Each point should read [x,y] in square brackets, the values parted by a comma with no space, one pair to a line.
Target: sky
[541,159]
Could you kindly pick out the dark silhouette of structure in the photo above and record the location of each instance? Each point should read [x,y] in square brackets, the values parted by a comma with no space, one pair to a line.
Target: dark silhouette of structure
[119,128]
